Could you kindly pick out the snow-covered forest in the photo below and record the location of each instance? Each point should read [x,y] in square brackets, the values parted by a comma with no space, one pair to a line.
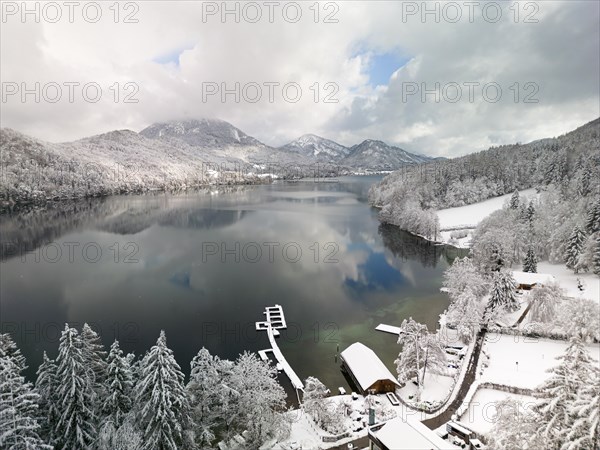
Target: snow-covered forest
[87,397]
[568,167]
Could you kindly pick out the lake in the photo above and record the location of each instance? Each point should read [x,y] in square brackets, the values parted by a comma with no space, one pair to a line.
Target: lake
[203,266]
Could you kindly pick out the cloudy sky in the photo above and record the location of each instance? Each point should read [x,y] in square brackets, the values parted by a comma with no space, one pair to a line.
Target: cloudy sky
[503,72]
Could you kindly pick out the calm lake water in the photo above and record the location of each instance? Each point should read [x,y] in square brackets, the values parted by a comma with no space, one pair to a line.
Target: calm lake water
[203,266]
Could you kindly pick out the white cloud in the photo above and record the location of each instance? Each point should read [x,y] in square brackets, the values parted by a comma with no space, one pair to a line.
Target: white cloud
[559,54]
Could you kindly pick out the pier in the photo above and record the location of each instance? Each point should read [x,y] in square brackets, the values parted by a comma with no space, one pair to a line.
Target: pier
[388,329]
[276,321]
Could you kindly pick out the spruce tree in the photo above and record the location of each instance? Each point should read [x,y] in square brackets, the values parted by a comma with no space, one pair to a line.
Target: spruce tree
[560,392]
[574,248]
[592,224]
[118,387]
[530,211]
[19,429]
[163,412]
[94,353]
[9,348]
[76,427]
[46,386]
[503,296]
[596,257]
[530,262]
[514,200]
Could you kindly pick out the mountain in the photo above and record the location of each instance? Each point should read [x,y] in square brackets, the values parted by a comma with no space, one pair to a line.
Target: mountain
[172,155]
[321,149]
[379,156]
[221,139]
[207,133]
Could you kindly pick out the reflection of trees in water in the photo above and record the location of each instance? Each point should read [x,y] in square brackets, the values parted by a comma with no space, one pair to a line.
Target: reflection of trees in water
[28,229]
[407,246]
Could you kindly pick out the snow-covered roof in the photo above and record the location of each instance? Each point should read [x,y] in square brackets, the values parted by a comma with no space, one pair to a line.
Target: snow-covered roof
[532,278]
[403,434]
[365,365]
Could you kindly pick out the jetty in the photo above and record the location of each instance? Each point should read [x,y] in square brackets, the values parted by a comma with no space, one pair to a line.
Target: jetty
[388,329]
[275,321]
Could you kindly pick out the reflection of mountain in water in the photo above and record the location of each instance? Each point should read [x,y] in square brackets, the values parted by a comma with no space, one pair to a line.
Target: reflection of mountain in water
[407,246]
[27,230]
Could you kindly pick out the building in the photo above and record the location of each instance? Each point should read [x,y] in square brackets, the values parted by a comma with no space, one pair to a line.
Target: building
[367,371]
[403,434]
[527,280]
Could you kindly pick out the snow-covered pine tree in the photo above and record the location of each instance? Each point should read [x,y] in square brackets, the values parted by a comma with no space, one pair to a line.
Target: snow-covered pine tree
[118,387]
[596,257]
[530,211]
[503,296]
[592,224]
[515,200]
[46,386]
[574,248]
[9,348]
[161,400]
[94,354]
[19,429]
[203,391]
[585,432]
[514,427]
[76,426]
[560,392]
[530,261]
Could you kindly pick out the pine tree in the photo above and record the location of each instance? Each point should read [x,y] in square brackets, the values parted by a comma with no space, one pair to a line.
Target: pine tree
[530,211]
[515,200]
[530,262]
[585,432]
[163,413]
[574,248]
[503,296]
[596,257]
[19,429]
[9,348]
[76,427]
[46,386]
[592,224]
[560,392]
[94,353]
[202,389]
[465,313]
[118,387]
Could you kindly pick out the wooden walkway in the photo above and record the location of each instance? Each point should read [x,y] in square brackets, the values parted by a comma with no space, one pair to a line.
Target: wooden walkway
[276,321]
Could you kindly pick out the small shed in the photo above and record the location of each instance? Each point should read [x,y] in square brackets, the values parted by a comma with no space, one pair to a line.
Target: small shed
[367,371]
[527,280]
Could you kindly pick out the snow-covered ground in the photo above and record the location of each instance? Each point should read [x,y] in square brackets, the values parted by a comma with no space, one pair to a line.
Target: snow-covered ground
[436,389]
[569,281]
[467,217]
[523,361]
[482,411]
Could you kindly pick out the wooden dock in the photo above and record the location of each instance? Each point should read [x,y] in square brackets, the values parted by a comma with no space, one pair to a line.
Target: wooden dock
[388,329]
[276,321]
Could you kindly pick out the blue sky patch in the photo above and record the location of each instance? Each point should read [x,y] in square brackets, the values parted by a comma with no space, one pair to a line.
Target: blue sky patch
[382,66]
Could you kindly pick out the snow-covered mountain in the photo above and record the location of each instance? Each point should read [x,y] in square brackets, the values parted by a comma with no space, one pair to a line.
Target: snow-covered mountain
[321,149]
[172,155]
[206,133]
[379,156]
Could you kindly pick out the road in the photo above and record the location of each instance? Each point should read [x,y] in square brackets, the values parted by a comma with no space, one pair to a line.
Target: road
[446,415]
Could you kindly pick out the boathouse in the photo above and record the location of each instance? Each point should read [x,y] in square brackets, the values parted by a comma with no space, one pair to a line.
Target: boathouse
[367,371]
